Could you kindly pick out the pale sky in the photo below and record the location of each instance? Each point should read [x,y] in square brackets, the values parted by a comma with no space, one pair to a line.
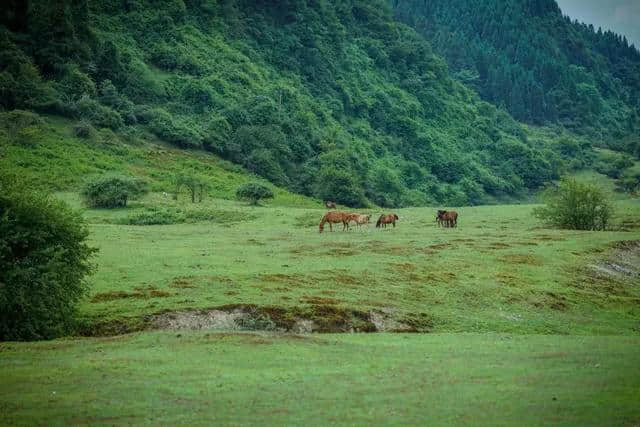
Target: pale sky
[619,16]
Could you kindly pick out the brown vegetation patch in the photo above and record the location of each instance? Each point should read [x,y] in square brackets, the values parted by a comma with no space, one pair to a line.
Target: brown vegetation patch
[498,245]
[508,279]
[524,243]
[550,300]
[116,295]
[256,242]
[526,259]
[183,282]
[290,279]
[318,300]
[547,238]
[440,246]
[401,267]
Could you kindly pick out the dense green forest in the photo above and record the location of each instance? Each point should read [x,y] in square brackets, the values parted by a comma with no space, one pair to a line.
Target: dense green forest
[333,99]
[543,67]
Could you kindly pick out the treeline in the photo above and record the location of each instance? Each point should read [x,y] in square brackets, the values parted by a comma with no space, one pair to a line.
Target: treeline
[333,99]
[542,66]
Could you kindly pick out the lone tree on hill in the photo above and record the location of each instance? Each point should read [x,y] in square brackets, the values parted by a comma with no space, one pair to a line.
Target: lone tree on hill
[113,191]
[194,184]
[254,192]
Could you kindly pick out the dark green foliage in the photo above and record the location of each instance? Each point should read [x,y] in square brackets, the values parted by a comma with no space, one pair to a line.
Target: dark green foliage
[613,164]
[254,192]
[113,191]
[84,129]
[629,182]
[304,92]
[339,186]
[44,260]
[575,205]
[539,64]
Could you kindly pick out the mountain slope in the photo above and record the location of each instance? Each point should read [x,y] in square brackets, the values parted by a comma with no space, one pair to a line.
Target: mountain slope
[541,66]
[331,99]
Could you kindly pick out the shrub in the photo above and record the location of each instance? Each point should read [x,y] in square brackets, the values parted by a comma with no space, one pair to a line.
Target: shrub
[44,260]
[254,192]
[156,217]
[629,181]
[90,109]
[163,125]
[340,186]
[113,191]
[84,129]
[575,205]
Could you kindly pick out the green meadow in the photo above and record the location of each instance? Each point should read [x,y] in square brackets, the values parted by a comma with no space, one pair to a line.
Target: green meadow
[206,378]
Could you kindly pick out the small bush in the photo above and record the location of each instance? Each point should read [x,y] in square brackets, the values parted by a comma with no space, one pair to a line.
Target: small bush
[254,192]
[44,260]
[84,129]
[156,217]
[90,109]
[113,191]
[576,206]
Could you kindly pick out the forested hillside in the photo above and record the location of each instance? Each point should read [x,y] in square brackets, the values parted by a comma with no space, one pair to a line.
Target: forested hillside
[333,99]
[543,67]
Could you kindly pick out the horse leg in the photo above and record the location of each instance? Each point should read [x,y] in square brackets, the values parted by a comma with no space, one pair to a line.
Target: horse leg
[330,227]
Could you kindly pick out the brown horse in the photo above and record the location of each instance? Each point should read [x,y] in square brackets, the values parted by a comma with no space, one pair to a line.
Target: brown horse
[448,218]
[387,219]
[330,205]
[335,217]
[439,217]
[359,219]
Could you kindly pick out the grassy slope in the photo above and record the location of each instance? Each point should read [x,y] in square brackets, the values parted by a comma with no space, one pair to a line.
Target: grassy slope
[241,379]
[59,161]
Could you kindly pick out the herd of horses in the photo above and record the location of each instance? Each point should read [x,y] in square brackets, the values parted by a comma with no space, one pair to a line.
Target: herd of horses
[443,218]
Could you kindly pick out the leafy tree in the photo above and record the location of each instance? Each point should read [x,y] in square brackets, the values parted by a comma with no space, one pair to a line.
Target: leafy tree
[193,183]
[339,186]
[44,260]
[113,191]
[575,205]
[254,192]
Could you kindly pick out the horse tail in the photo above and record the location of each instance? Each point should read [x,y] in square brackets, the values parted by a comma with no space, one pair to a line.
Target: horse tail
[379,221]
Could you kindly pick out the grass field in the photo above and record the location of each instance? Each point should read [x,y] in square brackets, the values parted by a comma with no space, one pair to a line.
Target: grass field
[529,326]
[207,319]
[200,378]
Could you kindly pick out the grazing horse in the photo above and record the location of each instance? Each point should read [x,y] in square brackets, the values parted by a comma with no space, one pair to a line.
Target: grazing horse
[330,205]
[448,218]
[387,219]
[335,217]
[359,219]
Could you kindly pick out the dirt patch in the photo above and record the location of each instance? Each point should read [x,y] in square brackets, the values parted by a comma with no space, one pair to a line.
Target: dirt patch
[526,259]
[617,274]
[198,320]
